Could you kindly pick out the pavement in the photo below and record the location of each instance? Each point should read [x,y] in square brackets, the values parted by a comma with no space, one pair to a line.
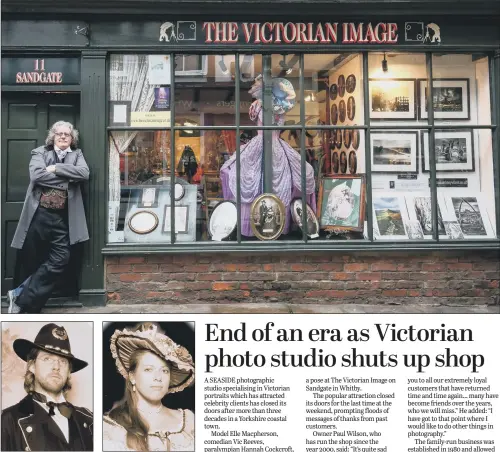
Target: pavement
[269,308]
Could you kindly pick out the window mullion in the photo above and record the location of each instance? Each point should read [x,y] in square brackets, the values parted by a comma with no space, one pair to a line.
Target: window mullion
[432,149]
[368,162]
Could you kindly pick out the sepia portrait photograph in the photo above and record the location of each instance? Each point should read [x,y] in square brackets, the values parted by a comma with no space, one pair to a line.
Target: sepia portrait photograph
[392,99]
[454,150]
[394,152]
[47,386]
[312,221]
[267,217]
[341,203]
[148,386]
[450,98]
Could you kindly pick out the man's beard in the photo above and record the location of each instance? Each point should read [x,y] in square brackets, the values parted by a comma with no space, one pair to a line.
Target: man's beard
[52,386]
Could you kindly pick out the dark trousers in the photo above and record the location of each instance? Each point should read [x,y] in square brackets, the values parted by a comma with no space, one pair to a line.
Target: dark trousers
[44,257]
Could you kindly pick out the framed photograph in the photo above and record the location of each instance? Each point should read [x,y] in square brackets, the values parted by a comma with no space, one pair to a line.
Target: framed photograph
[181,219]
[223,221]
[148,197]
[267,217]
[353,162]
[335,162]
[342,110]
[143,222]
[356,137]
[392,99]
[420,210]
[341,85]
[470,213]
[334,114]
[394,152]
[351,108]
[450,98]
[341,203]
[119,112]
[343,162]
[333,91]
[390,217]
[312,220]
[350,84]
[454,150]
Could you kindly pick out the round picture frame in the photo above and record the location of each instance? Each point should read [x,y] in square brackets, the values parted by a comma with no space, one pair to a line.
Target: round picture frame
[353,162]
[143,222]
[341,85]
[351,108]
[312,220]
[223,221]
[355,139]
[350,83]
[347,137]
[179,191]
[342,110]
[338,138]
[333,91]
[335,162]
[267,217]
[343,162]
[334,114]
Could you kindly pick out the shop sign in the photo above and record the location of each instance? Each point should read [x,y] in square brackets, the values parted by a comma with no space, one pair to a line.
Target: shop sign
[40,71]
[307,33]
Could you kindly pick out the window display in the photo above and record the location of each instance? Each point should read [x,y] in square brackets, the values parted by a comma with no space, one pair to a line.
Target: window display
[310,135]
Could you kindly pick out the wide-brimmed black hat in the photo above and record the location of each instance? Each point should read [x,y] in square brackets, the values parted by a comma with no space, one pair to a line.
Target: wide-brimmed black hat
[53,339]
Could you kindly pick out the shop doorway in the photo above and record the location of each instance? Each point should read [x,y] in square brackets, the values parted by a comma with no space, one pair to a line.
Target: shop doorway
[26,118]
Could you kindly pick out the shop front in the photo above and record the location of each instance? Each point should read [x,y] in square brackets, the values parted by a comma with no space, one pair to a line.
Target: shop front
[296,159]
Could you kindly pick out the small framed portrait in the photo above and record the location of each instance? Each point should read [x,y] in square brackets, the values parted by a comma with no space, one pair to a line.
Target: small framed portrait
[267,217]
[341,85]
[338,138]
[390,217]
[343,162]
[333,91]
[355,139]
[342,111]
[334,114]
[143,222]
[450,98]
[335,162]
[347,137]
[350,84]
[181,219]
[351,108]
[353,162]
[119,113]
[394,152]
[392,99]
[223,221]
[454,150]
[341,203]
[312,221]
[148,197]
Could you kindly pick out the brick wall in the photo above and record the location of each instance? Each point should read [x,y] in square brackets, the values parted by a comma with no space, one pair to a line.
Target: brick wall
[465,277]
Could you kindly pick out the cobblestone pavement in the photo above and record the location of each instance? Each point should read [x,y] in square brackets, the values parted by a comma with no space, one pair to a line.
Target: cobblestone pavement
[269,308]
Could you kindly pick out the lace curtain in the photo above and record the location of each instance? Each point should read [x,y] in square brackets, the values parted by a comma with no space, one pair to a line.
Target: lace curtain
[128,81]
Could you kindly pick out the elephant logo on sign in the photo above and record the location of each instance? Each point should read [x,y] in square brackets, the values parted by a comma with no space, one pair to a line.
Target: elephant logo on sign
[167,32]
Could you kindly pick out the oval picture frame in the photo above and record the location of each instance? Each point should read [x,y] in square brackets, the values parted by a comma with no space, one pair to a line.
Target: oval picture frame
[343,162]
[333,91]
[296,211]
[353,162]
[335,162]
[267,217]
[143,222]
[223,221]
[341,85]
[350,83]
[179,191]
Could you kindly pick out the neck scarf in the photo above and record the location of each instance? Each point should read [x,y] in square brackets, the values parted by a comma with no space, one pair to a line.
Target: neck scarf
[65,408]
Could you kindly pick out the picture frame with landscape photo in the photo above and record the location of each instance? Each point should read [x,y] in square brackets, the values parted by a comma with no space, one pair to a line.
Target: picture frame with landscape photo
[469,210]
[390,216]
[451,98]
[393,99]
[454,150]
[341,203]
[394,151]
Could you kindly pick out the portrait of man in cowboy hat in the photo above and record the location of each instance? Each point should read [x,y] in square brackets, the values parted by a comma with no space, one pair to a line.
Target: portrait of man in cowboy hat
[45,420]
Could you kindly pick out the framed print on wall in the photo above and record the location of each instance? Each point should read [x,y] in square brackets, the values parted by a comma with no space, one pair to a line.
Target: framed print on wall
[454,150]
[450,97]
[392,98]
[119,112]
[394,152]
[341,203]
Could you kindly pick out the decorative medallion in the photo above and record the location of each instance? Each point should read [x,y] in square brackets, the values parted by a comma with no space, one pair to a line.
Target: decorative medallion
[60,333]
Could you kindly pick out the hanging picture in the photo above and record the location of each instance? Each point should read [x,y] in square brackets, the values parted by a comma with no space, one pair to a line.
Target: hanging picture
[119,112]
[353,162]
[454,150]
[312,220]
[350,84]
[341,203]
[335,162]
[181,219]
[394,152]
[343,162]
[341,85]
[351,108]
[334,114]
[392,98]
[471,215]
[347,137]
[450,98]
[389,217]
[333,91]
[355,139]
[342,110]
[267,217]
[159,69]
